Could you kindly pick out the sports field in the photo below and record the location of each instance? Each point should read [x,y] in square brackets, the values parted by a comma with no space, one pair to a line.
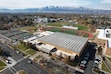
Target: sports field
[58,24]
[73,32]
[81,27]
[70,31]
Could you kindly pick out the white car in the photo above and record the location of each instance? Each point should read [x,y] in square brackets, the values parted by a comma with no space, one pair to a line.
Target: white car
[97,61]
[83,62]
[8,61]
[17,51]
[30,62]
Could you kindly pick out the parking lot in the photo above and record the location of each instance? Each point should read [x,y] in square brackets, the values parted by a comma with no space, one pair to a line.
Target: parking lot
[87,59]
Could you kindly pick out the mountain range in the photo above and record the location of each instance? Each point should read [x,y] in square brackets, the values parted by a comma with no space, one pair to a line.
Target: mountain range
[56,9]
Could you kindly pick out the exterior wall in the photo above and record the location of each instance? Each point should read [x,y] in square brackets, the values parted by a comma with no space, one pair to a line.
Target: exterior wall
[105,48]
[108,52]
[83,49]
[64,54]
[66,50]
[103,43]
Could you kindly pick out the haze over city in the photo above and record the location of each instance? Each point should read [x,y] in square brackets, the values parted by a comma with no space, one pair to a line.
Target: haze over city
[23,4]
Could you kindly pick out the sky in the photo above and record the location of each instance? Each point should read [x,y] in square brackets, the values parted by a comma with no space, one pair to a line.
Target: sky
[23,4]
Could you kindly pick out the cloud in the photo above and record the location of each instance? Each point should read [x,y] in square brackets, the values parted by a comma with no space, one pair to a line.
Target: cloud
[22,4]
[40,3]
[106,1]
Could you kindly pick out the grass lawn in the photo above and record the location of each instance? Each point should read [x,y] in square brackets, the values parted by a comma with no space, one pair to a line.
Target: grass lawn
[66,31]
[28,27]
[31,29]
[70,32]
[81,27]
[109,59]
[86,35]
[1,68]
[21,47]
[56,29]
[31,52]
[21,72]
[39,56]
[59,24]
[104,67]
[2,63]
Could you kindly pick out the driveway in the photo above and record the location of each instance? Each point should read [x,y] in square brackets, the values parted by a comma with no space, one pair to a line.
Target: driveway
[89,67]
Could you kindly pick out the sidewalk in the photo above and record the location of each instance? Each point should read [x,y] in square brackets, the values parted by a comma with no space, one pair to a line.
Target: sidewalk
[12,62]
[108,64]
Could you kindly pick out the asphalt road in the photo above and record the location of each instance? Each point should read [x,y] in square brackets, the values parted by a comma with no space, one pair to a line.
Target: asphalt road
[92,52]
[16,56]
[33,68]
[7,71]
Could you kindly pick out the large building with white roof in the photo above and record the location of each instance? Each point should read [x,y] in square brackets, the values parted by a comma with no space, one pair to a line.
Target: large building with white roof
[104,40]
[65,44]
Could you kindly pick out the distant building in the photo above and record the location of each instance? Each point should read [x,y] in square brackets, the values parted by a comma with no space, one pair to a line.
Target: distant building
[61,19]
[104,40]
[53,20]
[41,20]
[14,36]
[71,27]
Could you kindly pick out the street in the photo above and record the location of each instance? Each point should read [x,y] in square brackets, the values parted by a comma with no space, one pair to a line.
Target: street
[32,68]
[12,52]
[21,63]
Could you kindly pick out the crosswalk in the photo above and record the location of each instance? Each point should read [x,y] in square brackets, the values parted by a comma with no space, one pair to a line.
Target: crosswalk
[13,70]
[22,59]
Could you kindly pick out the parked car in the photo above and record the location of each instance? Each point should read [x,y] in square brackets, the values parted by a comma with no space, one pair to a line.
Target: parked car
[82,66]
[97,59]
[17,51]
[87,54]
[30,62]
[84,62]
[86,58]
[8,61]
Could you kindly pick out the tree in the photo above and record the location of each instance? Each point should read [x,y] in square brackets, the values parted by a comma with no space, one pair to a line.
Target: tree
[21,72]
[100,50]
[1,50]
